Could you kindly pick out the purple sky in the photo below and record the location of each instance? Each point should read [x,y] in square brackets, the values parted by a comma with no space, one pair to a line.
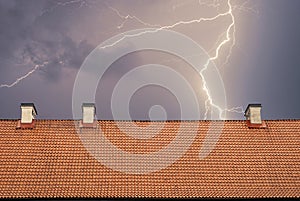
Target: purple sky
[264,66]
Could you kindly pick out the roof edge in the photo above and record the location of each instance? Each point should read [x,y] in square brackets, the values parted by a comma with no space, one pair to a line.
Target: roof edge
[171,120]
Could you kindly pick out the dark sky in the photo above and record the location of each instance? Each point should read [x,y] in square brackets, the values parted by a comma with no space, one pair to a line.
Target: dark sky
[56,37]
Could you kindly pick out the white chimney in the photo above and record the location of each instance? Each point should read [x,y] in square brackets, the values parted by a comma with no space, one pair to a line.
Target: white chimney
[28,113]
[253,113]
[88,113]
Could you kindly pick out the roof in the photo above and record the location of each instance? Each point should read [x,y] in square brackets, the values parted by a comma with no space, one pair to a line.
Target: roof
[50,161]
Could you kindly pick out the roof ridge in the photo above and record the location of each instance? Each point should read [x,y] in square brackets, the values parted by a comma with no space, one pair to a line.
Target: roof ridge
[172,120]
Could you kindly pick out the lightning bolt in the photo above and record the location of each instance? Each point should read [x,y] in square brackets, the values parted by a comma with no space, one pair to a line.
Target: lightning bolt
[128,17]
[166,27]
[230,28]
[45,63]
[36,67]
[236,110]
[229,33]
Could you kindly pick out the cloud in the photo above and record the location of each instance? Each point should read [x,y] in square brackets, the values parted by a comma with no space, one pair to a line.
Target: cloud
[28,38]
[63,53]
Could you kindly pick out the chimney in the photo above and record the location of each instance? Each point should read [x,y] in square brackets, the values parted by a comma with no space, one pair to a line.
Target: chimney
[253,116]
[28,113]
[253,113]
[88,115]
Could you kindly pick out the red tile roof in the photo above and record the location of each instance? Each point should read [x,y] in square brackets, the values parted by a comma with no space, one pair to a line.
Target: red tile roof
[51,161]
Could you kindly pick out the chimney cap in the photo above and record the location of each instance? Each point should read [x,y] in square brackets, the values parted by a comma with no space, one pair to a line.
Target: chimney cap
[252,105]
[30,105]
[88,104]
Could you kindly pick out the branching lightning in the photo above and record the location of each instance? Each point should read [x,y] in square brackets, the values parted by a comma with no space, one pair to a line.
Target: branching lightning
[169,27]
[36,67]
[217,52]
[229,31]
[45,63]
[236,110]
[128,17]
[222,42]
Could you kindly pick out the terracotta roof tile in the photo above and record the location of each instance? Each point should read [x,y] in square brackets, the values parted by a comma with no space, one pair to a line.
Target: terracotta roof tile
[51,161]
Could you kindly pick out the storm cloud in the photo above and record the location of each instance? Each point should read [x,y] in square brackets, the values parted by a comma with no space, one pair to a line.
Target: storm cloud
[33,38]
[263,66]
